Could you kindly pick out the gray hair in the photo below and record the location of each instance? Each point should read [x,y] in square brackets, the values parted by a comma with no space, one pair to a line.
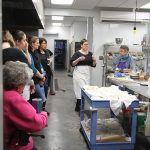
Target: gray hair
[125,47]
[15,74]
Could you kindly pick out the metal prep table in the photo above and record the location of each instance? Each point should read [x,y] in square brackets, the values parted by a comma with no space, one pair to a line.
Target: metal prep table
[134,86]
[91,138]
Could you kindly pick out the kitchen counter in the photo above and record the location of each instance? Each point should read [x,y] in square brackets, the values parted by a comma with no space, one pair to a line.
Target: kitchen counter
[133,85]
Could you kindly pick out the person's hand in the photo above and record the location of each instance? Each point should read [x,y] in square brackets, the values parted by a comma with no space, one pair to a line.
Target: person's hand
[81,58]
[43,79]
[49,61]
[109,56]
[32,89]
[44,113]
[41,82]
[93,58]
[26,47]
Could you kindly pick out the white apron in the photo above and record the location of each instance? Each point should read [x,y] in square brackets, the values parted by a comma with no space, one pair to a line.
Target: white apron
[81,77]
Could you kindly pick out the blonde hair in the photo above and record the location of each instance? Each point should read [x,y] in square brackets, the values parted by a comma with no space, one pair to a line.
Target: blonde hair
[7,37]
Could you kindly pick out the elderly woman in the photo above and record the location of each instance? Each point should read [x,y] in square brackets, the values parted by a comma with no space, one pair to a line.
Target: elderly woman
[19,116]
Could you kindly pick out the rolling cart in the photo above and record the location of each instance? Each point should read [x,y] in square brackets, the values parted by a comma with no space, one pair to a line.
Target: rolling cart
[90,136]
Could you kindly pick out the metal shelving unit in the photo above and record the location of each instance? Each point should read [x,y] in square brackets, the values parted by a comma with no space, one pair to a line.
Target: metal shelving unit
[90,136]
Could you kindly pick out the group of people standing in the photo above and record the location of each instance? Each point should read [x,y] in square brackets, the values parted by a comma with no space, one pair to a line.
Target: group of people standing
[27,74]
[83,59]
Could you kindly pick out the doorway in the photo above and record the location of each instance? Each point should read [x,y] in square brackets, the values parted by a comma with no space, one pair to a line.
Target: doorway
[60,49]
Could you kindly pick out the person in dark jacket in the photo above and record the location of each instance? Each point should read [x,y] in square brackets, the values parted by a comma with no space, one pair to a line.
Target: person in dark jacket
[45,56]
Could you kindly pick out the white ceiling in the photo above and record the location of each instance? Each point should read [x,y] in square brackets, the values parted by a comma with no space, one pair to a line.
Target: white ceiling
[91,5]
[68,20]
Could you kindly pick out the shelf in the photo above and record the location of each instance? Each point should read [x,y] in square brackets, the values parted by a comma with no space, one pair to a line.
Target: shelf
[86,131]
[104,145]
[90,135]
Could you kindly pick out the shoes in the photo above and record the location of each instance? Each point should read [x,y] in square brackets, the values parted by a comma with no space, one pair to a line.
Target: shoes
[77,107]
[52,93]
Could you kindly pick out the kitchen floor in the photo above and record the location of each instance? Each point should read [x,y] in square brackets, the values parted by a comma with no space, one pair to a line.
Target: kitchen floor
[62,132]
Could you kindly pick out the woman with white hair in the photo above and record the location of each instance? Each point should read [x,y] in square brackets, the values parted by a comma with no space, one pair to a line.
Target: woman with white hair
[19,115]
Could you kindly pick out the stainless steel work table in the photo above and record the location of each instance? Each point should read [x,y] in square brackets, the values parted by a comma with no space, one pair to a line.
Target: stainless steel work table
[134,86]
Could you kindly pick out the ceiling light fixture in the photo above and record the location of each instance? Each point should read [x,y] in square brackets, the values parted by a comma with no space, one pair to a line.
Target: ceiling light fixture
[134,28]
[62,2]
[56,24]
[57,18]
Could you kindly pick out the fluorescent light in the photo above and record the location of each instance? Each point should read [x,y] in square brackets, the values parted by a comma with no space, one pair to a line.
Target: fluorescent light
[56,24]
[57,18]
[146,5]
[62,2]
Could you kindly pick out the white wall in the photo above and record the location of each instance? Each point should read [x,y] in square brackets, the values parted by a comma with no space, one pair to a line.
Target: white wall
[105,33]
[80,30]
[52,33]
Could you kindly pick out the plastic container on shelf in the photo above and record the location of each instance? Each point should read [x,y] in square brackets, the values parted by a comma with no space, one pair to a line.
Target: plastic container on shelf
[141,117]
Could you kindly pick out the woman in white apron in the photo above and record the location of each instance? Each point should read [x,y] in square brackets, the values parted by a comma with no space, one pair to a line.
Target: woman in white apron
[82,60]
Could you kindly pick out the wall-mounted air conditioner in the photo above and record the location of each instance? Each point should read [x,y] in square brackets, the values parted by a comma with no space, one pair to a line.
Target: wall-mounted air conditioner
[124,17]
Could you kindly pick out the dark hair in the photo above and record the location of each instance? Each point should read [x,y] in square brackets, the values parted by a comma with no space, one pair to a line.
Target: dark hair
[83,41]
[41,40]
[17,35]
[125,47]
